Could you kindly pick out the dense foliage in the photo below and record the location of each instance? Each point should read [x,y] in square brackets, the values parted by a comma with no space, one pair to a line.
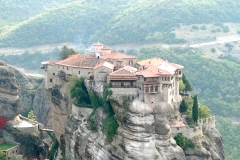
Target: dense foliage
[183,106]
[54,149]
[231,138]
[84,21]
[80,93]
[91,99]
[65,52]
[183,142]
[195,109]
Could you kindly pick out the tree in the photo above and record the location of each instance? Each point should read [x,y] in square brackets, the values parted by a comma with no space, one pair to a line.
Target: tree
[204,112]
[65,52]
[2,155]
[195,109]
[183,106]
[31,116]
[181,85]
[188,85]
[79,91]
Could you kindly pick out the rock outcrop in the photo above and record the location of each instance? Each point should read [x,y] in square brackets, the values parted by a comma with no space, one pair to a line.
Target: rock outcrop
[144,132]
[10,99]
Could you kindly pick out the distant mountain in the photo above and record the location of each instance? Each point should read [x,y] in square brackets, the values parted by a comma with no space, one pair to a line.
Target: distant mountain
[110,22]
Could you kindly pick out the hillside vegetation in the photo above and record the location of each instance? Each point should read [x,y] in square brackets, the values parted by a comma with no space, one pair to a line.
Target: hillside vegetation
[15,11]
[111,22]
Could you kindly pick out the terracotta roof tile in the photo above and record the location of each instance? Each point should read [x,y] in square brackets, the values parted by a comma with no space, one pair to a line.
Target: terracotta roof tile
[150,62]
[80,61]
[177,124]
[106,64]
[125,71]
[116,55]
[165,68]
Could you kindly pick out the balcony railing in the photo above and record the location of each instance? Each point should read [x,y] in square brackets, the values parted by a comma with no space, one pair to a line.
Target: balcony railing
[120,86]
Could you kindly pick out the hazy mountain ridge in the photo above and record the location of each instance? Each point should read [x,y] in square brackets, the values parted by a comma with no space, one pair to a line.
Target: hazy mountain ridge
[115,22]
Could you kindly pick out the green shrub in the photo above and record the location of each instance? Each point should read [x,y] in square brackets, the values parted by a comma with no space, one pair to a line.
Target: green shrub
[203,27]
[195,27]
[213,50]
[183,142]
[54,149]
[109,127]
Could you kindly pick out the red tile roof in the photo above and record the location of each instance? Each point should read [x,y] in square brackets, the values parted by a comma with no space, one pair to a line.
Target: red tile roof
[117,55]
[105,64]
[150,62]
[178,124]
[125,71]
[80,61]
[165,68]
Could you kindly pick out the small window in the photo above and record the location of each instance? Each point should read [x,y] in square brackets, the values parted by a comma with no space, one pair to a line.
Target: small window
[50,80]
[168,78]
[67,68]
[151,88]
[145,79]
[130,62]
[146,89]
[156,88]
[78,72]
[53,73]
[179,72]
[58,66]
[163,78]
[63,67]
[138,78]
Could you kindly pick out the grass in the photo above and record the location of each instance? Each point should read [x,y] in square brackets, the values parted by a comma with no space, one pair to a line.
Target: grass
[6,146]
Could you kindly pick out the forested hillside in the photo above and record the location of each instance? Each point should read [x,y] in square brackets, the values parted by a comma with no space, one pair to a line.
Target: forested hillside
[110,22]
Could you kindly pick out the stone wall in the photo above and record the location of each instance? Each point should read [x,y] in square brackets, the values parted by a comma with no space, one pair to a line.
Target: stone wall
[187,132]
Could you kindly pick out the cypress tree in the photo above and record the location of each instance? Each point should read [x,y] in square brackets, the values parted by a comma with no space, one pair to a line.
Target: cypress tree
[195,109]
[188,85]
[183,106]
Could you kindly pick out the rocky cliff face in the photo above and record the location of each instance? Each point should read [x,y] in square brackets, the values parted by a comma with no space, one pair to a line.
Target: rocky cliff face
[12,84]
[144,132]
[10,99]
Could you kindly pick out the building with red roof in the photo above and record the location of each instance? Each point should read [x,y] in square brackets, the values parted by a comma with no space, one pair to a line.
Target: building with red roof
[155,78]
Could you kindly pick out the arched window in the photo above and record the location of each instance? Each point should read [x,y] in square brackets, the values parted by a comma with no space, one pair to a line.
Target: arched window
[130,62]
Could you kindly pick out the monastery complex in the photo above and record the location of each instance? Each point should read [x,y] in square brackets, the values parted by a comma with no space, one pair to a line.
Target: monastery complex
[154,78]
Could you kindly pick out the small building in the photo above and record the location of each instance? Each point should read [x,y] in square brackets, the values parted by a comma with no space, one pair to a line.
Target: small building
[101,71]
[9,148]
[156,76]
[124,77]
[156,80]
[120,59]
[56,72]
[100,49]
